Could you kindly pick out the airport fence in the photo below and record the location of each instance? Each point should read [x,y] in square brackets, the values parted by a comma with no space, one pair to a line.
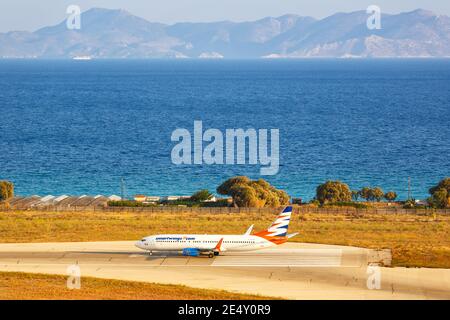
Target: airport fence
[232,210]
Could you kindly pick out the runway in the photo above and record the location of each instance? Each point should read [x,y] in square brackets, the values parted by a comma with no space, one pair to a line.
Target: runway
[293,271]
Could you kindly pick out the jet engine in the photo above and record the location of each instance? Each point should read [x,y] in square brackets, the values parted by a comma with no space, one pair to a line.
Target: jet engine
[192,252]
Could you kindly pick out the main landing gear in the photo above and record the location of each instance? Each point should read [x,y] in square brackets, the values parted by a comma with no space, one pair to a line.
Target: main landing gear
[212,254]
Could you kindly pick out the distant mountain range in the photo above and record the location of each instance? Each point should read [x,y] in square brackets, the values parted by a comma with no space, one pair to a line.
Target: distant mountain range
[108,33]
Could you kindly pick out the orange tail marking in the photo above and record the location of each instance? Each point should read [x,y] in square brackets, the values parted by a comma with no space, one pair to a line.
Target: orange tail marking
[274,239]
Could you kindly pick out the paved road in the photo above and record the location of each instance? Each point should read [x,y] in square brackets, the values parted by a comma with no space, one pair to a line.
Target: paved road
[295,271]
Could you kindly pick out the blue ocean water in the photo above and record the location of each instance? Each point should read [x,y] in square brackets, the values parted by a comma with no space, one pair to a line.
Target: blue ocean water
[78,127]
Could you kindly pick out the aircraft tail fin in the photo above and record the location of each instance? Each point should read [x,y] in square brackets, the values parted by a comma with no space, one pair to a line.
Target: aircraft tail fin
[277,232]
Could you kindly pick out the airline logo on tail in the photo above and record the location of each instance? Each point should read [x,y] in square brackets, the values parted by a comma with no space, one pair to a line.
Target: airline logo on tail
[277,232]
[280,225]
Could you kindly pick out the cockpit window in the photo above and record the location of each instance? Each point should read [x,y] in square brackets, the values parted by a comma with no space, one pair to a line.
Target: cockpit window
[143,240]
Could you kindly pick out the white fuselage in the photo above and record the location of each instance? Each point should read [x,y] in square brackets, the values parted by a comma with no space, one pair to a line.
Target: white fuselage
[177,242]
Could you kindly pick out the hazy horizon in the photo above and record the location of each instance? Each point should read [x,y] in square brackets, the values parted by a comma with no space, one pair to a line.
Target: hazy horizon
[25,15]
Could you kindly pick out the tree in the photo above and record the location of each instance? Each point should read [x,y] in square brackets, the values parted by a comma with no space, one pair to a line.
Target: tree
[333,191]
[355,195]
[443,184]
[390,196]
[225,187]
[201,195]
[377,194]
[253,193]
[440,194]
[6,190]
[245,196]
[366,193]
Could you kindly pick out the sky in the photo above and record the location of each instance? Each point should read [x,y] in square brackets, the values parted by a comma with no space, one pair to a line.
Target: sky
[30,15]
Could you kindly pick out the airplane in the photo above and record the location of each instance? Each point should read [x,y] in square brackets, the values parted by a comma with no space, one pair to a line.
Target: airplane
[212,245]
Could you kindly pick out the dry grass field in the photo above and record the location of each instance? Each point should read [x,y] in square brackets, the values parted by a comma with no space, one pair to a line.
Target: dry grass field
[27,286]
[415,240]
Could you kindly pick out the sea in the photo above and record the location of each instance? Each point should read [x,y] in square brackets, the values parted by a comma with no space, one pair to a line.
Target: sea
[92,127]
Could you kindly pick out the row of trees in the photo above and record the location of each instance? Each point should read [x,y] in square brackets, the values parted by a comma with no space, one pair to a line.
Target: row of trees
[259,193]
[337,191]
[373,194]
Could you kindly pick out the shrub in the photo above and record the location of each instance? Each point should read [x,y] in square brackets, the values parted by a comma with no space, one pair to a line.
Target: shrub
[129,203]
[218,203]
[409,204]
[348,204]
[201,195]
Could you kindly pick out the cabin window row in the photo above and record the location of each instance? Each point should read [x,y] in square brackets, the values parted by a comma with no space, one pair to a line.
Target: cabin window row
[205,241]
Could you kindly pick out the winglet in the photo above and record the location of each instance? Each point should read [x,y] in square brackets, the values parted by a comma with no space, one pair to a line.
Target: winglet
[218,245]
[249,230]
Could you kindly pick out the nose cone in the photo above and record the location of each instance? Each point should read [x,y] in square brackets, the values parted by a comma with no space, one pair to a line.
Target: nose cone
[139,244]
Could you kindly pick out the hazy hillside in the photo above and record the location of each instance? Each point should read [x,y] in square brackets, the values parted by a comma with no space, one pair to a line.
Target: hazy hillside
[119,34]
